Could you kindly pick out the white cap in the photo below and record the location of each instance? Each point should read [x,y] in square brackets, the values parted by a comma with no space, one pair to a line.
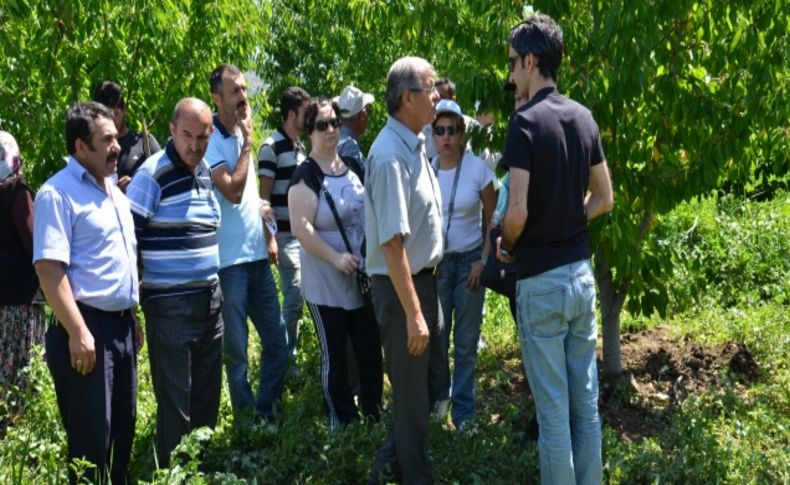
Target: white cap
[352,101]
[448,106]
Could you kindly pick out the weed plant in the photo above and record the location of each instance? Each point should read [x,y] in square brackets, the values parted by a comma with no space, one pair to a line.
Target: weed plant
[730,285]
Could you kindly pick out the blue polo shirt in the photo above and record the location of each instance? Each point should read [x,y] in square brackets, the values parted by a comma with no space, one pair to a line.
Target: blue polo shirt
[240,236]
[176,217]
[78,224]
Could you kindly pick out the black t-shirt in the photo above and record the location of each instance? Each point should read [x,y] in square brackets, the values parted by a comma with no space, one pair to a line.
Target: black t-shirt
[133,152]
[557,140]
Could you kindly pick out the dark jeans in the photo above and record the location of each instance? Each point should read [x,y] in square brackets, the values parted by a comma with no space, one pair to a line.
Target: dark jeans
[334,326]
[415,380]
[184,335]
[99,409]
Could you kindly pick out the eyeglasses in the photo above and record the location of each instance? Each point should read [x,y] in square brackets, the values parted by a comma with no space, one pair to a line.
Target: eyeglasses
[441,130]
[428,90]
[322,125]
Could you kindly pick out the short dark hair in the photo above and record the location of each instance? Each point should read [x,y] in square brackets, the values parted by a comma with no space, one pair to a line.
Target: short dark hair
[311,112]
[109,94]
[292,99]
[450,85]
[80,120]
[215,80]
[542,37]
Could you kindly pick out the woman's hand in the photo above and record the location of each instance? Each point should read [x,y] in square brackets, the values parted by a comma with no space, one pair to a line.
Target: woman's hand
[347,263]
[476,269]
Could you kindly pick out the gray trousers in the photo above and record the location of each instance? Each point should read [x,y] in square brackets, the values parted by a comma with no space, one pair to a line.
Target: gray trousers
[415,380]
[184,335]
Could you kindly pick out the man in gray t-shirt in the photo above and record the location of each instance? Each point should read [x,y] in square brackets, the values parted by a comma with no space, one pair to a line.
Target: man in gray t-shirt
[404,245]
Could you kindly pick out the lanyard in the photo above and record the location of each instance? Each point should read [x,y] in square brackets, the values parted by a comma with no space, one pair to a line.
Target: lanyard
[451,205]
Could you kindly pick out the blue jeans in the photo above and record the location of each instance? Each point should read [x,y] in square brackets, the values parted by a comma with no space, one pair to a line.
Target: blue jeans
[290,282]
[463,311]
[557,330]
[249,290]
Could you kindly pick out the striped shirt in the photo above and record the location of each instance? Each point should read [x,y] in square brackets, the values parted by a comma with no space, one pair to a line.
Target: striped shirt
[176,217]
[78,224]
[277,159]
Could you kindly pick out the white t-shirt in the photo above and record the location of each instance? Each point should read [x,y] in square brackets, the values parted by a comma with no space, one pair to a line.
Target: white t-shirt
[466,232]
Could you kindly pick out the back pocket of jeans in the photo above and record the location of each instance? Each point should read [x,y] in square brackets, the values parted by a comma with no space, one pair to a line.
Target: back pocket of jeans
[545,317]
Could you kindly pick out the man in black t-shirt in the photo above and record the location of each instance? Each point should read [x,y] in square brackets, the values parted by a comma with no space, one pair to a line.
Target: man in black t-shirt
[559,177]
[135,148]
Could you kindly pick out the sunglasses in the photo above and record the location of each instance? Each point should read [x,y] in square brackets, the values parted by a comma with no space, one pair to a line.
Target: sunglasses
[441,130]
[322,125]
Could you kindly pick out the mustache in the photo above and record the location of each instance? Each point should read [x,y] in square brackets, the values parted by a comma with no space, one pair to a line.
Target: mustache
[112,158]
[509,86]
[241,104]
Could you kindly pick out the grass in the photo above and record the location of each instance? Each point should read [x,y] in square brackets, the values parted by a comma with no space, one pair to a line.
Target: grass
[731,434]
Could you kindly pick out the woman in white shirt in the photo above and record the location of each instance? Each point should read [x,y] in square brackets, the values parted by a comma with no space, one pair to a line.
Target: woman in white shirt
[465,183]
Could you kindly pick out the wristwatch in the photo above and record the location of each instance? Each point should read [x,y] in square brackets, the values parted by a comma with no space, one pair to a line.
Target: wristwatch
[505,252]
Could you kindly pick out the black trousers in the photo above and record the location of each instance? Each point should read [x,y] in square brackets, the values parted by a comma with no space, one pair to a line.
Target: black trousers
[333,327]
[99,409]
[415,380]
[184,335]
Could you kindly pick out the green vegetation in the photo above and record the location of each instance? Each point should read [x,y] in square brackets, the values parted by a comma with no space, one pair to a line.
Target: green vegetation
[736,433]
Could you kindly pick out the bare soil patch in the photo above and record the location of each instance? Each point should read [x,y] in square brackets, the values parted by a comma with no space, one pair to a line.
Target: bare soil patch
[659,372]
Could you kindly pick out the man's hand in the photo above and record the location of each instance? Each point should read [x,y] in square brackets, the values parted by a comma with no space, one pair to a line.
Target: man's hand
[139,341]
[244,120]
[271,250]
[83,351]
[124,182]
[476,269]
[418,333]
[499,255]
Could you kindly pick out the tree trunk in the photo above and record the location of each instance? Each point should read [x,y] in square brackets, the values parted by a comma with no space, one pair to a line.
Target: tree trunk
[612,300]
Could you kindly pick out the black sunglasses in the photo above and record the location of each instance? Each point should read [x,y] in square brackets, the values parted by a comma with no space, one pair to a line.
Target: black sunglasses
[441,130]
[322,125]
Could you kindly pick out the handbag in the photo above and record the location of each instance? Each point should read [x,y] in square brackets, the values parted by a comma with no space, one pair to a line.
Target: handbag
[363,280]
[498,276]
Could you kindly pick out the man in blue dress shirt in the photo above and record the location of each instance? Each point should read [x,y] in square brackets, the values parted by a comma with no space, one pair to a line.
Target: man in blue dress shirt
[85,254]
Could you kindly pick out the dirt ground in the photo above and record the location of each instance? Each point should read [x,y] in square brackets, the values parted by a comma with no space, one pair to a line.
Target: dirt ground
[659,372]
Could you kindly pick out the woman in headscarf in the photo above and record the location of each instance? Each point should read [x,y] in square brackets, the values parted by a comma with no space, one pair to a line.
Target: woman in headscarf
[21,321]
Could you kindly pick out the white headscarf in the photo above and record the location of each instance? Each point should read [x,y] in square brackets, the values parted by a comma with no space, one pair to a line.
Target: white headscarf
[9,156]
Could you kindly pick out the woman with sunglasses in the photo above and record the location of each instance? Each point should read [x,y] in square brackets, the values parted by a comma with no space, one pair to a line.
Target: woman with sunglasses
[465,182]
[329,268]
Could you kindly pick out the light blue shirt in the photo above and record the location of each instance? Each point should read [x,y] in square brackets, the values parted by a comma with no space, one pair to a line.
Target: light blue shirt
[92,233]
[240,236]
[402,197]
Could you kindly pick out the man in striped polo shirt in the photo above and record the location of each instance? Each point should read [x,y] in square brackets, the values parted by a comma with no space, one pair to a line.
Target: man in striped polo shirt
[245,276]
[176,217]
[277,159]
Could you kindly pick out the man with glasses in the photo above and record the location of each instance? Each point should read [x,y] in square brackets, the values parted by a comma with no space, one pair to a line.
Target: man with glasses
[404,244]
[559,177]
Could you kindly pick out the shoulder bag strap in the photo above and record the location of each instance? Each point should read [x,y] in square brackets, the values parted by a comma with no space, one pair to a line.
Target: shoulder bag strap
[338,222]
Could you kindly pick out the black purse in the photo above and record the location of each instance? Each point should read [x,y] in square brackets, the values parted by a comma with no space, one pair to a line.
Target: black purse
[363,280]
[498,276]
